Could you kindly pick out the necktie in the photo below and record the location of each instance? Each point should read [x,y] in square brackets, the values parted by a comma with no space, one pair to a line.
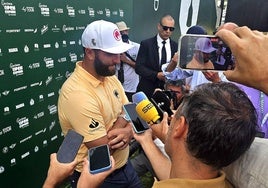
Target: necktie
[164,53]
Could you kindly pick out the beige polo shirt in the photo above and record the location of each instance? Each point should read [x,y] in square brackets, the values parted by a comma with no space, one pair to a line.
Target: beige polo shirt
[90,107]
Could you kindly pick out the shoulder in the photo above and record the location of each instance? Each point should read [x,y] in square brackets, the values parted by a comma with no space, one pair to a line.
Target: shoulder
[149,40]
[172,42]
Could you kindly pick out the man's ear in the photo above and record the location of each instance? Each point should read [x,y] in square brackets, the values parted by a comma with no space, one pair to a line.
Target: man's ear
[181,128]
[89,53]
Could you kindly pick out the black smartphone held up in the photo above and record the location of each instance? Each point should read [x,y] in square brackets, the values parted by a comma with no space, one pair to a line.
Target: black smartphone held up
[139,125]
[69,146]
[204,52]
[99,159]
[162,101]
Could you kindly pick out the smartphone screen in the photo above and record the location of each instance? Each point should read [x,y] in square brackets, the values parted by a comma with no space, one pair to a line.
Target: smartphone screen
[204,52]
[99,159]
[69,147]
[139,125]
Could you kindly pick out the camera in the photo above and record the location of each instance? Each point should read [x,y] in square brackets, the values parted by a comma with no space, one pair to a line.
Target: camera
[172,97]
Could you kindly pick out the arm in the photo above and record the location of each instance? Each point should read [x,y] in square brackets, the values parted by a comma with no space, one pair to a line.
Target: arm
[250,51]
[118,137]
[87,179]
[160,163]
[146,66]
[126,60]
[173,63]
[57,171]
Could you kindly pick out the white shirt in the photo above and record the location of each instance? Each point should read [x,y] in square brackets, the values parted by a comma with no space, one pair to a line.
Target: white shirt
[197,76]
[160,45]
[131,78]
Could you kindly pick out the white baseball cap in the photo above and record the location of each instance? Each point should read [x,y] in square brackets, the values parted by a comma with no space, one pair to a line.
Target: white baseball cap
[204,45]
[105,36]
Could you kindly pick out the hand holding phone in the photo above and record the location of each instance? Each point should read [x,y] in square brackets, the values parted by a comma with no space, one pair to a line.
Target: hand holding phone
[204,52]
[69,147]
[99,159]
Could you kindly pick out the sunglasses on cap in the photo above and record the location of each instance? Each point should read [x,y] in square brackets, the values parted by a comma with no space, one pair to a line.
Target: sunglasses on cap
[165,28]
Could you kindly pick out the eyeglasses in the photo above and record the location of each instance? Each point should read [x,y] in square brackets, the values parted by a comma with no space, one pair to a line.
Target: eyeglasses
[165,28]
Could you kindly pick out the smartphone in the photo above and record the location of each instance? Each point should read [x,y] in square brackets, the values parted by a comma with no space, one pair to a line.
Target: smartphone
[69,146]
[204,52]
[162,101]
[99,159]
[139,125]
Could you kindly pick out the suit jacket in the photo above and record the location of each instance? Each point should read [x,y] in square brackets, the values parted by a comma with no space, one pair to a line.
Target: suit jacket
[147,65]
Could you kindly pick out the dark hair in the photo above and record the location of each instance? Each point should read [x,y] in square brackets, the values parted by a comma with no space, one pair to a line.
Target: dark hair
[222,123]
[179,83]
[196,29]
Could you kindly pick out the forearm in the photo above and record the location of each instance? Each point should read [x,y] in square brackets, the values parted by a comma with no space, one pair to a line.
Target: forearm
[50,183]
[130,63]
[171,66]
[160,163]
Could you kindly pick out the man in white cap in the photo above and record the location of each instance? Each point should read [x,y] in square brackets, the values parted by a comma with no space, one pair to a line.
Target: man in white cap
[91,101]
[126,69]
[200,60]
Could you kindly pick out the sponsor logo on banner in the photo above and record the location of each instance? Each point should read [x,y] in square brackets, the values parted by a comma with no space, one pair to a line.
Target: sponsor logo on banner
[36,84]
[91,12]
[49,79]
[13,50]
[26,139]
[67,28]
[70,11]
[81,11]
[13,31]
[28,9]
[52,125]
[23,122]
[6,110]
[39,115]
[73,57]
[44,10]
[44,29]
[17,69]
[5,130]
[9,8]
[2,72]
[121,13]
[49,62]
[26,154]
[40,132]
[20,88]
[34,65]
[58,10]
[52,109]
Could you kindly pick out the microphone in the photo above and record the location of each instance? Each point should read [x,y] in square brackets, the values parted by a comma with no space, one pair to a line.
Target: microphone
[146,109]
[138,97]
[162,101]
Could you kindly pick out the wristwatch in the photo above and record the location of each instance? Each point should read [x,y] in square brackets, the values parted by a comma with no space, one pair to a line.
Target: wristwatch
[125,117]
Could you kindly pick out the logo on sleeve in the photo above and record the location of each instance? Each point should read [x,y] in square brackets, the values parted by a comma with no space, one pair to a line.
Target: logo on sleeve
[93,124]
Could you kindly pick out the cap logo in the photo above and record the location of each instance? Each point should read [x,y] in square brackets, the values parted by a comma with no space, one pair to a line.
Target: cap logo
[117,35]
[93,41]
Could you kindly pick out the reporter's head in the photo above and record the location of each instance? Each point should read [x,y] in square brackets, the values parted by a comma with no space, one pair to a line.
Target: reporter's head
[221,123]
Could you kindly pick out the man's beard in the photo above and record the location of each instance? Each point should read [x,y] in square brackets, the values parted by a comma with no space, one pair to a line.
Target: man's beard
[101,68]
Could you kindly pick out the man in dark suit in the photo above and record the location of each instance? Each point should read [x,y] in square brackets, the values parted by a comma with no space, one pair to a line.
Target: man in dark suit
[152,55]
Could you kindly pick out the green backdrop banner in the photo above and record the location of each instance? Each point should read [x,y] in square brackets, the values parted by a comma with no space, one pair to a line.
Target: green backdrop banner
[39,45]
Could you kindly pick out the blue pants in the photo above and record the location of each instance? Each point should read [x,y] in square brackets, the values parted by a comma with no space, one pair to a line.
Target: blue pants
[125,177]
